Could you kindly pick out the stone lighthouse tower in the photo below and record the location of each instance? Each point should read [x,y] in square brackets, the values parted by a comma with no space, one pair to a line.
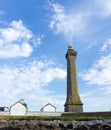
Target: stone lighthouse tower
[73,102]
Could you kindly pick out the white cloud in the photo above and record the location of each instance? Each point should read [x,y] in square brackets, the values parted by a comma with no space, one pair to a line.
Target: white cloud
[106,89]
[105,7]
[94,103]
[99,73]
[57,100]
[67,23]
[85,94]
[37,40]
[106,45]
[30,82]
[15,40]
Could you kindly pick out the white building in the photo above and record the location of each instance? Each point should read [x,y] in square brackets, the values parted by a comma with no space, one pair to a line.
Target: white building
[48,108]
[19,108]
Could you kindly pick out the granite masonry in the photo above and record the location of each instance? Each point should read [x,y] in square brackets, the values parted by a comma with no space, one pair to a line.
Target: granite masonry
[55,125]
[73,102]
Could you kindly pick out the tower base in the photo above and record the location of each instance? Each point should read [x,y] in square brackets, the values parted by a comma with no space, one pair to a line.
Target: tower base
[76,108]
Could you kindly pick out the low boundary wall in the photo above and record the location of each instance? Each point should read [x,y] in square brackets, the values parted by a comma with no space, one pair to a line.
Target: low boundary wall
[34,113]
[89,114]
[5,113]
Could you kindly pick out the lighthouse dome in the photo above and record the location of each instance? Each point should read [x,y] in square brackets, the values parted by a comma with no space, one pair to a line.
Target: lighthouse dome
[70,46]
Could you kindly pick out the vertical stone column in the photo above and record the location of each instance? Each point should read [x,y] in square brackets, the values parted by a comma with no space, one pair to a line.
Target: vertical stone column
[73,102]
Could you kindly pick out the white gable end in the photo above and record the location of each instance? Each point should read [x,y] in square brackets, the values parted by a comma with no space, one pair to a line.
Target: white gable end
[49,108]
[18,109]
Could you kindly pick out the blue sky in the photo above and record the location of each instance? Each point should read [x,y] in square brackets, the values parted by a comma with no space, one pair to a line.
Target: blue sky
[34,36]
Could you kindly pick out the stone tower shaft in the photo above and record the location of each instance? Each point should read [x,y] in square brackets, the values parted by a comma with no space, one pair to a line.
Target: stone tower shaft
[73,102]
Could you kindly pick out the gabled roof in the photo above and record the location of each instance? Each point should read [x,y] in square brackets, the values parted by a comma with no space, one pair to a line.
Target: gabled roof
[21,102]
[47,105]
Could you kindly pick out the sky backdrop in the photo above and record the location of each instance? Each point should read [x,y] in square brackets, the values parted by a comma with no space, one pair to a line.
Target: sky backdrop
[34,36]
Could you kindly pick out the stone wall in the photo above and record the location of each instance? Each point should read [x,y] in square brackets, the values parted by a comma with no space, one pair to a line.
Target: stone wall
[55,125]
[88,114]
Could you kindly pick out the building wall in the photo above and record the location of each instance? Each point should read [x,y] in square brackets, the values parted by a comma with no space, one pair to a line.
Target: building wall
[49,108]
[18,109]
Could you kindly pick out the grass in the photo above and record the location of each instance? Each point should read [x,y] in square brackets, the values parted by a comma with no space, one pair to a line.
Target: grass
[65,118]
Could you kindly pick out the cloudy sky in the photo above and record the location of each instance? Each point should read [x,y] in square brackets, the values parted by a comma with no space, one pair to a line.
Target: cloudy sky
[34,36]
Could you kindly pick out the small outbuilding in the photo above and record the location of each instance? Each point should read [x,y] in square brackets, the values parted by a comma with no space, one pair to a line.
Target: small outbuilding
[19,108]
[1,108]
[4,109]
[48,108]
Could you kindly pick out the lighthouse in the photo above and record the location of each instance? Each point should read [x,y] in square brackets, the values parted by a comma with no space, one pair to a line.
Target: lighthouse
[73,102]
